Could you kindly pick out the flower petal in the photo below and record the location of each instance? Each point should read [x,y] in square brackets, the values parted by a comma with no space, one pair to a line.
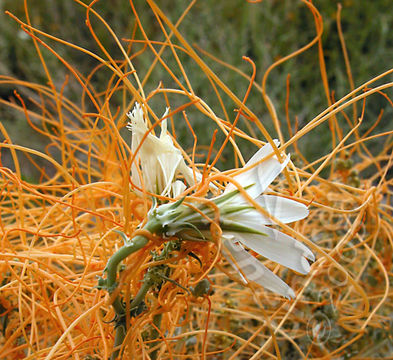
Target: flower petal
[283,209]
[164,127]
[254,270]
[168,161]
[159,159]
[177,188]
[278,247]
[188,173]
[259,177]
[135,176]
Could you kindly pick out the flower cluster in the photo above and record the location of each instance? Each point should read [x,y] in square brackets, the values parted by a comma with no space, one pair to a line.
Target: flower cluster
[241,223]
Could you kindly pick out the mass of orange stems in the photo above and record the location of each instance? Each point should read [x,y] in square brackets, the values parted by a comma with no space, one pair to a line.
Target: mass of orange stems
[57,234]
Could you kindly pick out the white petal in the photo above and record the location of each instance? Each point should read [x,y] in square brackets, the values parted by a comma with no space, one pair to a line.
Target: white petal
[164,124]
[262,152]
[177,188]
[278,247]
[285,210]
[262,175]
[160,160]
[135,177]
[188,173]
[168,162]
[255,271]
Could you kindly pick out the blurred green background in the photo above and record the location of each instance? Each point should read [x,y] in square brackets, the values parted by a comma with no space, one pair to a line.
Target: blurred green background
[264,31]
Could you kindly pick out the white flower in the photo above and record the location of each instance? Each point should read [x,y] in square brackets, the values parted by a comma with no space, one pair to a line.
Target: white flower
[273,245]
[242,224]
[159,159]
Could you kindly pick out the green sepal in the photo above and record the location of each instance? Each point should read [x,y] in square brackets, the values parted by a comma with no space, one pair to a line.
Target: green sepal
[220,202]
[154,202]
[177,203]
[228,225]
[189,237]
[235,208]
[226,197]
[166,213]
[192,227]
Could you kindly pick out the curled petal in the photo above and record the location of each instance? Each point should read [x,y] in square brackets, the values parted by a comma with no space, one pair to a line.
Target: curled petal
[254,270]
[285,210]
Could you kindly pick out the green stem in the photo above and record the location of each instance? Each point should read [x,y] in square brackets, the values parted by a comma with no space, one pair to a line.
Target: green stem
[118,306]
[137,243]
[157,322]
[120,329]
[119,338]
[147,284]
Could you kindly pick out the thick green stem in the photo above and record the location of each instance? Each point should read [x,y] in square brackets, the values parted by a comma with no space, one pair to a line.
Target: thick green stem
[137,243]
[118,306]
[147,284]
